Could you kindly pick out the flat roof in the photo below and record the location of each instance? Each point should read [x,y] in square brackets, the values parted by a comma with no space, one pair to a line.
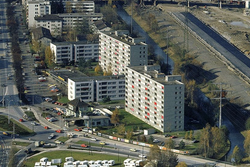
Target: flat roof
[78,76]
[77,42]
[152,74]
[123,38]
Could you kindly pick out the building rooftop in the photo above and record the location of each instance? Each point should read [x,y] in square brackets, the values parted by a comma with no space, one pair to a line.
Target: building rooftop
[153,72]
[48,17]
[123,36]
[80,77]
[41,32]
[76,43]
[79,14]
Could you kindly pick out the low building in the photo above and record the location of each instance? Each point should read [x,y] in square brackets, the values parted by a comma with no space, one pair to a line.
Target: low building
[65,52]
[51,22]
[94,121]
[77,108]
[96,88]
[42,35]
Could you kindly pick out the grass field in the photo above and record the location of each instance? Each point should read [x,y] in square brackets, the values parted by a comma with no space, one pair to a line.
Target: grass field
[20,143]
[76,155]
[63,99]
[19,128]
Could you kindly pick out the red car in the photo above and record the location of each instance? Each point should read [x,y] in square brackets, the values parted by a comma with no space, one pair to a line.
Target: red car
[84,146]
[21,120]
[172,137]
[59,131]
[78,129]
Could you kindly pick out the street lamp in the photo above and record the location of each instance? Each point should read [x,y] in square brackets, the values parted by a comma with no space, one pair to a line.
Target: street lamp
[9,111]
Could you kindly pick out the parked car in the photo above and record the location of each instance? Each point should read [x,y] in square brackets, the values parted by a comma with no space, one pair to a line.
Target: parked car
[59,131]
[102,143]
[142,156]
[172,137]
[58,142]
[20,120]
[78,129]
[33,123]
[156,141]
[167,135]
[84,145]
[93,139]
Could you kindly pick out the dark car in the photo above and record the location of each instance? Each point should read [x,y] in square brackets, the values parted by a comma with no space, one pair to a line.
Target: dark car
[167,135]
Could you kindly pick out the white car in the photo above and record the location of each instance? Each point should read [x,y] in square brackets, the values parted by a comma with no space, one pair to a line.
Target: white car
[156,141]
[142,156]
[132,149]
[93,139]
[33,123]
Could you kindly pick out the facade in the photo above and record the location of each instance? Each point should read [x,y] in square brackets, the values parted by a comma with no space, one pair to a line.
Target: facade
[81,6]
[70,20]
[155,98]
[51,22]
[62,53]
[118,50]
[74,51]
[96,88]
[35,9]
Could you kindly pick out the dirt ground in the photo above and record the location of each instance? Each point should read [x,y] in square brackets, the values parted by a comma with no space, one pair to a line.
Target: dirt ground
[220,20]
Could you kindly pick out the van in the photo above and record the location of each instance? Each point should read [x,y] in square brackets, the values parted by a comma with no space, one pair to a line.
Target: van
[84,162]
[69,159]
[76,163]
[44,159]
[126,161]
[137,163]
[82,165]
[111,162]
[91,162]
[98,162]
[104,162]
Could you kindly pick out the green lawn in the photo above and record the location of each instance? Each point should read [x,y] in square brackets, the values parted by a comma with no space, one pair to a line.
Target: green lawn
[31,115]
[21,143]
[63,139]
[76,155]
[19,128]
[63,99]
[121,102]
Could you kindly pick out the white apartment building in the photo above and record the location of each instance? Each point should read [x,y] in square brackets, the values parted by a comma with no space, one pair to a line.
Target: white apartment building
[96,88]
[62,52]
[74,51]
[35,9]
[51,22]
[155,98]
[118,50]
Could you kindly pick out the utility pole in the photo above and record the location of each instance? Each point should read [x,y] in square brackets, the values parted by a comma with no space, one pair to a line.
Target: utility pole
[222,96]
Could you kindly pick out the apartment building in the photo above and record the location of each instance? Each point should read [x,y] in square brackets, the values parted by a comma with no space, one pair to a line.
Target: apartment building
[70,20]
[74,51]
[81,6]
[155,98]
[35,9]
[118,50]
[51,22]
[96,88]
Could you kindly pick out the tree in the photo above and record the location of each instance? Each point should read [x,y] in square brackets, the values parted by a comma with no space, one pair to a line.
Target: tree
[205,141]
[115,117]
[181,144]
[247,143]
[48,56]
[247,124]
[182,164]
[191,136]
[129,134]
[68,7]
[106,99]
[36,45]
[150,139]
[186,135]
[121,129]
[109,15]
[81,28]
[169,143]
[92,37]
[237,155]
[162,158]
[154,152]
[98,69]
[143,138]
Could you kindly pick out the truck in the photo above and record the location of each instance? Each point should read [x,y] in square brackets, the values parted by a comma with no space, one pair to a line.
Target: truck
[37,144]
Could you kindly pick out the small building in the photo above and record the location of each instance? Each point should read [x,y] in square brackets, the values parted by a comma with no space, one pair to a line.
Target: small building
[93,121]
[42,35]
[77,108]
